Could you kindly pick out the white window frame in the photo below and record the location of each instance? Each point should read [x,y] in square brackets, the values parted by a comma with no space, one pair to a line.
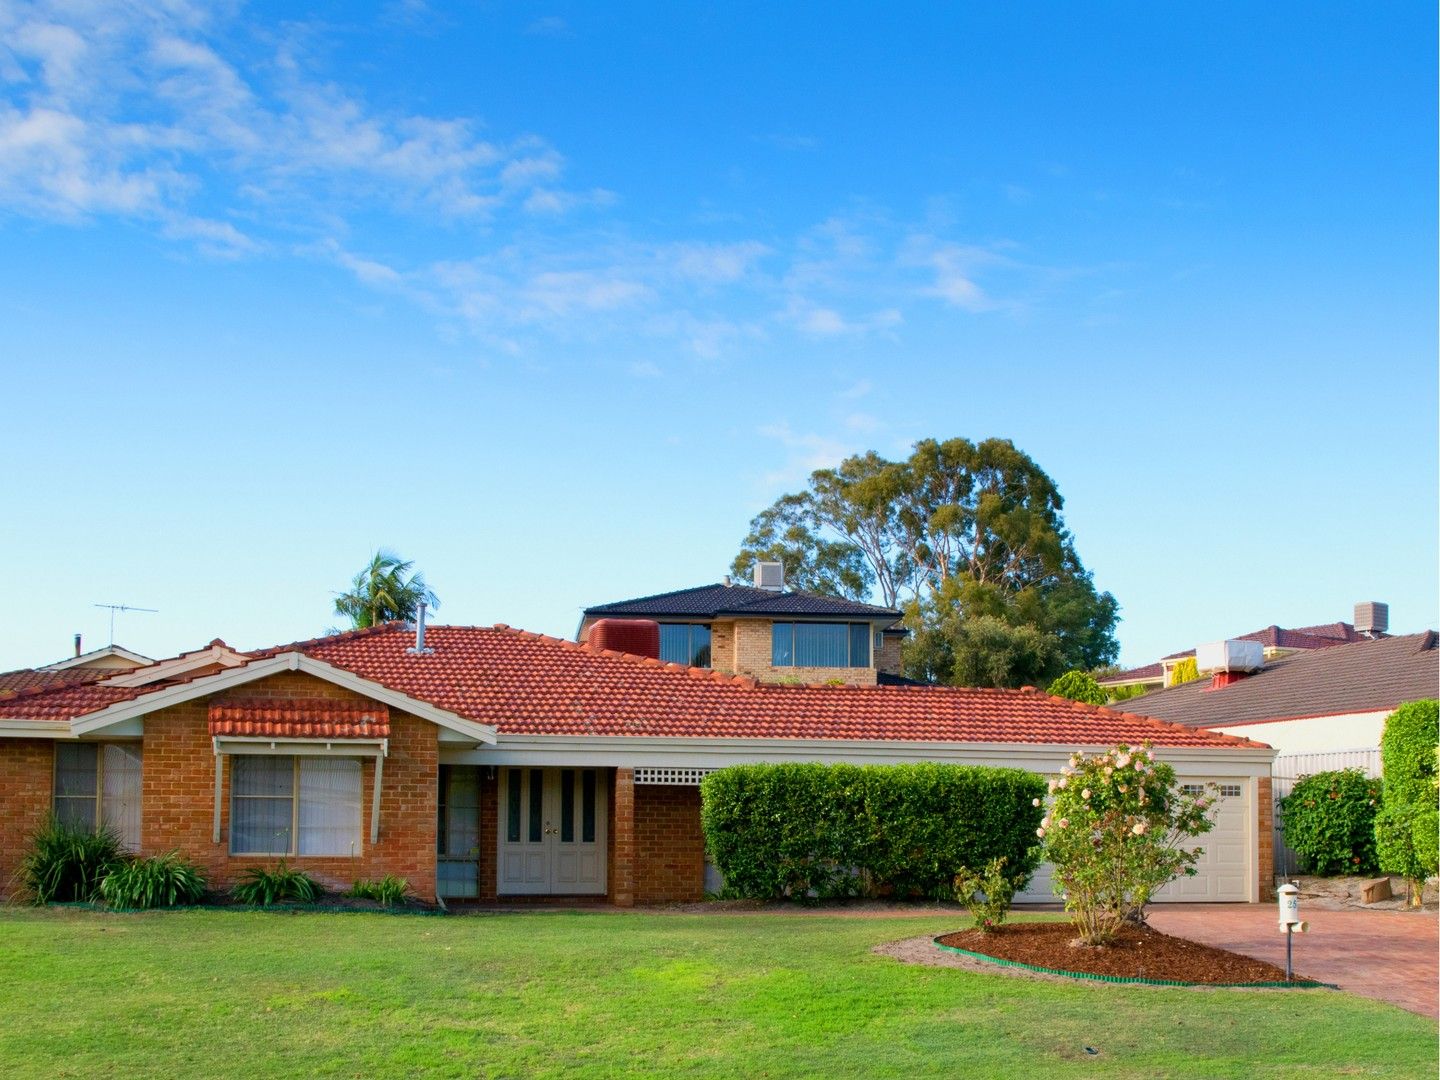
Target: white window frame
[294,848]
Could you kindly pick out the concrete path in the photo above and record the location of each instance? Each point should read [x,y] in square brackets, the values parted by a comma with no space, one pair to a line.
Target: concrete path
[1387,955]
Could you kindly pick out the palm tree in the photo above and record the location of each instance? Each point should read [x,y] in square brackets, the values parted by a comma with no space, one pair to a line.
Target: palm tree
[383,591]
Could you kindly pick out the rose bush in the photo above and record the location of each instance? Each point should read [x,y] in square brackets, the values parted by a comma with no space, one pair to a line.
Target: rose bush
[1114,832]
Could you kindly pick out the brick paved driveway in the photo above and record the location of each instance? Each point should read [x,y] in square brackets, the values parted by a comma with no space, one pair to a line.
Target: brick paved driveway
[1389,955]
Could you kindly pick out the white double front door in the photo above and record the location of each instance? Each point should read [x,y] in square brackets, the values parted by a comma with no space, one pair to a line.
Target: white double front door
[552,831]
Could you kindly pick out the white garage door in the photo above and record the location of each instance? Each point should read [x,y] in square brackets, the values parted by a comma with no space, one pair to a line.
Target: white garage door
[1223,870]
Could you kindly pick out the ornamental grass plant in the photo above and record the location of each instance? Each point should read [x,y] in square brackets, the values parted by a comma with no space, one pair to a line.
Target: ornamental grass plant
[166,880]
[265,886]
[65,863]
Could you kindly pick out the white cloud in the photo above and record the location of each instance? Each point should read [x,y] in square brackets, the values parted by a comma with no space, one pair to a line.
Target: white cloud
[643,369]
[857,389]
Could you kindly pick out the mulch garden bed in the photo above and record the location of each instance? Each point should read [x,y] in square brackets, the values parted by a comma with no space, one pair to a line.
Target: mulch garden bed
[1138,953]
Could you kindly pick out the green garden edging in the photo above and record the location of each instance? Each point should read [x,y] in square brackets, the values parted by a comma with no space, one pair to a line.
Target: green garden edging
[273,909]
[1298,984]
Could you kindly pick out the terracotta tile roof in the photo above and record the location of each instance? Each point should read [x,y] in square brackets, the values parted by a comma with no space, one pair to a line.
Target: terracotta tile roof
[64,702]
[300,718]
[524,683]
[1363,676]
[710,601]
[12,682]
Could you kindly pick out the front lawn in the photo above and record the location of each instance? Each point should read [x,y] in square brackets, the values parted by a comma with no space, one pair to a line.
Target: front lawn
[212,993]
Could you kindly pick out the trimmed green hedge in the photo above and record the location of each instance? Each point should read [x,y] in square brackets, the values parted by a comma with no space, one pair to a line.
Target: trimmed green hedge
[844,830]
[1405,828]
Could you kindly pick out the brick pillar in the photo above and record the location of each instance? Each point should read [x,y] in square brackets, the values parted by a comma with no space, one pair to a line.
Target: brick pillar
[1266,823]
[622,832]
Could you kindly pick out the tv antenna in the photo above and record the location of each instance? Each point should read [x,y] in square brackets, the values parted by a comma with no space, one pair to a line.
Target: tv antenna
[124,607]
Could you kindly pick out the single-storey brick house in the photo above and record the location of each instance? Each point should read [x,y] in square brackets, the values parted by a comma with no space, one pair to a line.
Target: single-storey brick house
[486,762]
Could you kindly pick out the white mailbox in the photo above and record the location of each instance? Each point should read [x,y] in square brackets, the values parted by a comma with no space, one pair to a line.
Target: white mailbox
[1289,905]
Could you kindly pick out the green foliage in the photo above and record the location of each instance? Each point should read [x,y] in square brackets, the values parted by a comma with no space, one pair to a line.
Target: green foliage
[1329,821]
[781,533]
[1113,831]
[162,881]
[969,538]
[264,886]
[841,830]
[1125,693]
[987,893]
[1078,686]
[63,863]
[384,591]
[1183,672]
[1406,825]
[389,890]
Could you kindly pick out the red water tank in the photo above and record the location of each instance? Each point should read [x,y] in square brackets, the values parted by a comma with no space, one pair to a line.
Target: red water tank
[638,636]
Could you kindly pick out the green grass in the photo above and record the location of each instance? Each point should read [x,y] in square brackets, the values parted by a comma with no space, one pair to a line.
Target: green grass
[232,993]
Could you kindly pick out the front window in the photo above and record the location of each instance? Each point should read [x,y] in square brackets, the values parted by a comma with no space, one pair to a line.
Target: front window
[294,805]
[685,643]
[820,645]
[99,784]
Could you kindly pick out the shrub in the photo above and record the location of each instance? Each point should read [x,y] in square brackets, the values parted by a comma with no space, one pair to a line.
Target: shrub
[162,881]
[263,887]
[1185,671]
[806,830]
[64,863]
[1405,827]
[1113,832]
[1078,686]
[987,893]
[389,890]
[1329,821]
[1125,693]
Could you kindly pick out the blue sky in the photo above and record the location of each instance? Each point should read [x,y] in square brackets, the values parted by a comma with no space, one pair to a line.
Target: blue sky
[554,298]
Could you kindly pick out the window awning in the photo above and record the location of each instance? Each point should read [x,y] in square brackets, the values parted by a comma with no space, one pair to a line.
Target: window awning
[299,718]
[300,726]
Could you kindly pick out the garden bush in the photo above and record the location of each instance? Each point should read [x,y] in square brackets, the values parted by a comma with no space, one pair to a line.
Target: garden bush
[1078,686]
[263,887]
[64,863]
[1113,832]
[987,893]
[162,881]
[1329,821]
[1405,839]
[805,830]
[389,890]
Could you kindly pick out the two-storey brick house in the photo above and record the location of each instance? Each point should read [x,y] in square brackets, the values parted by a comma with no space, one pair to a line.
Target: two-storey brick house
[768,632]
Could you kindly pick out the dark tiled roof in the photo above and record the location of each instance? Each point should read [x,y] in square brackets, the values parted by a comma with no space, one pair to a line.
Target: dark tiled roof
[1362,676]
[529,684]
[1272,637]
[711,601]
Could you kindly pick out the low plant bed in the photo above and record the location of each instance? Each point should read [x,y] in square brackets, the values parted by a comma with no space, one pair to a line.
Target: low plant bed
[1139,953]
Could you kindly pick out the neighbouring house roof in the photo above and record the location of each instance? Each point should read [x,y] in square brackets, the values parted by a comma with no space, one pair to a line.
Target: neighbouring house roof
[12,682]
[304,718]
[1362,676]
[524,683]
[1323,636]
[714,601]
[94,656]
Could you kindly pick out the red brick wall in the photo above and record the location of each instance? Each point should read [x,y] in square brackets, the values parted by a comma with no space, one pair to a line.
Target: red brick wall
[179,795]
[27,769]
[669,847]
[1267,838]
